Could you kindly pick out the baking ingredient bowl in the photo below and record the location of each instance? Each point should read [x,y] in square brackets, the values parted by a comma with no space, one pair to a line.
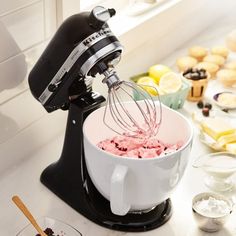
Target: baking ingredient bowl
[59,228]
[133,184]
[219,167]
[211,211]
[225,100]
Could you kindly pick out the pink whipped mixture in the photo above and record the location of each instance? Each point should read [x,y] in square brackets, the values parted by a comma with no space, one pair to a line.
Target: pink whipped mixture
[137,148]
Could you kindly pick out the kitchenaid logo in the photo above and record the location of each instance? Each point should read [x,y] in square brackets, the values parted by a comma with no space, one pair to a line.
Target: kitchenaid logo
[93,37]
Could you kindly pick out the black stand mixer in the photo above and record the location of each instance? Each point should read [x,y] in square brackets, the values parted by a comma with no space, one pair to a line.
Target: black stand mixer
[62,78]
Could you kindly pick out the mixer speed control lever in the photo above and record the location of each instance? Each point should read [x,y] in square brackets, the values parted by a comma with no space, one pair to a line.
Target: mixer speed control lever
[99,16]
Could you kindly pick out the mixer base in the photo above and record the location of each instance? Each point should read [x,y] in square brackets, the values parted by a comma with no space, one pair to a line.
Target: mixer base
[84,198]
[69,180]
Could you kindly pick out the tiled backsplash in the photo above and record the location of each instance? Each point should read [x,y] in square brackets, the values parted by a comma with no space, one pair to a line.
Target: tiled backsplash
[25,27]
[9,6]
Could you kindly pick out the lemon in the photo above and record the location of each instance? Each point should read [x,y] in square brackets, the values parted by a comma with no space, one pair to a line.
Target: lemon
[157,71]
[148,84]
[170,82]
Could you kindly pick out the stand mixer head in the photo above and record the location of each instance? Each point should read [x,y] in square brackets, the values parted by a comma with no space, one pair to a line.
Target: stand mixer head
[83,47]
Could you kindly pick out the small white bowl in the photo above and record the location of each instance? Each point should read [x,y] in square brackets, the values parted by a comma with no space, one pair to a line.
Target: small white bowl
[221,105]
[219,168]
[207,222]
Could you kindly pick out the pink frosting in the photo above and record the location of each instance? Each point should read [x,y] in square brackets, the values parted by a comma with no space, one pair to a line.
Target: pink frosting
[137,148]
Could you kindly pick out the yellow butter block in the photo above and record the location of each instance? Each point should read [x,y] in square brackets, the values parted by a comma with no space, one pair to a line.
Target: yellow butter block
[217,127]
[231,147]
[225,139]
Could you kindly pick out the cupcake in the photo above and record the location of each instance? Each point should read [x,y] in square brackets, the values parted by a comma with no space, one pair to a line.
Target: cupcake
[227,77]
[210,67]
[231,65]
[231,41]
[197,52]
[216,59]
[220,50]
[199,80]
[184,63]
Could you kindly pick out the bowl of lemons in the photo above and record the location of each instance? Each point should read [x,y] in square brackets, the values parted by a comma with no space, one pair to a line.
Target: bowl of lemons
[164,84]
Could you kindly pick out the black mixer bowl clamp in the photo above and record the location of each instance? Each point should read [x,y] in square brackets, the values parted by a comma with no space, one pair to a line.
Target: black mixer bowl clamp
[61,79]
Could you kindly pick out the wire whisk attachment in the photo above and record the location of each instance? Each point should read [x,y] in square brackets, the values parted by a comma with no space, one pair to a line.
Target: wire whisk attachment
[126,115]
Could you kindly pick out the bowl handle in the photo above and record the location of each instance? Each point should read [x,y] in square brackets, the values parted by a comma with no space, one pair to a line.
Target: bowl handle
[118,204]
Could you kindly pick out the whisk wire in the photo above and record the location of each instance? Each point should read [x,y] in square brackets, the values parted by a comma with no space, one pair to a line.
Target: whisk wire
[147,121]
[148,98]
[115,110]
[126,112]
[119,120]
[113,117]
[140,121]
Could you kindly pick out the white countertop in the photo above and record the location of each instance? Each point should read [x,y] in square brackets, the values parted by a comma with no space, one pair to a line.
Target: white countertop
[23,180]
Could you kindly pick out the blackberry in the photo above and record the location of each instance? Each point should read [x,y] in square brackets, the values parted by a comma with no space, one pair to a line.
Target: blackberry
[208,105]
[205,111]
[48,231]
[200,104]
[195,74]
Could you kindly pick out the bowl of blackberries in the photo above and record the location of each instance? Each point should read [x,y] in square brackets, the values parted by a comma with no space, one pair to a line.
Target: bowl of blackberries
[199,81]
[51,227]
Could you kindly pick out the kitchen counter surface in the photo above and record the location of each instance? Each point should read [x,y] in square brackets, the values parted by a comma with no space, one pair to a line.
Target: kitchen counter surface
[23,180]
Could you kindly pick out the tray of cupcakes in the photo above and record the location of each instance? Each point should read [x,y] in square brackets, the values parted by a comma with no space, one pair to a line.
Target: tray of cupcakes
[218,61]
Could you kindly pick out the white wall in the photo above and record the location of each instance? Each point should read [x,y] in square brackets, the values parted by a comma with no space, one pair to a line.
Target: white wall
[25,27]
[152,41]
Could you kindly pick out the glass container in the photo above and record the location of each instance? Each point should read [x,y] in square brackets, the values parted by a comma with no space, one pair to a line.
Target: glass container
[59,228]
[219,168]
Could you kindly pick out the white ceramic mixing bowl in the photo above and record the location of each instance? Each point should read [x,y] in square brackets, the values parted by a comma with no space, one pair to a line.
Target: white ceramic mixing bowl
[132,184]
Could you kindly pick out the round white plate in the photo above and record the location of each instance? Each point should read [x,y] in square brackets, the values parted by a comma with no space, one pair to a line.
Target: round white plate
[222,105]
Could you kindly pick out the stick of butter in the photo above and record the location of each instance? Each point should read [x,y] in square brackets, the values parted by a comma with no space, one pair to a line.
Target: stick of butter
[231,147]
[225,139]
[217,127]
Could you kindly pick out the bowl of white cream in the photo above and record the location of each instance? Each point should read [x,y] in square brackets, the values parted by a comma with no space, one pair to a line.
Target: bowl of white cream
[211,211]
[219,168]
